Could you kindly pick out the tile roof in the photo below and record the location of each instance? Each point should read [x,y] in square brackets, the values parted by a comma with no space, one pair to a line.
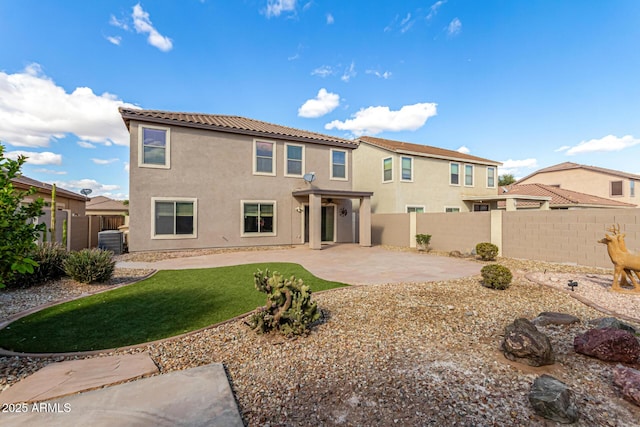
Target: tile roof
[26,182]
[102,203]
[561,197]
[232,124]
[570,165]
[424,150]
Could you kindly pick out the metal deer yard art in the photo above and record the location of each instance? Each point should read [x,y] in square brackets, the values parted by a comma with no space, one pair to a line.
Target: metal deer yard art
[626,264]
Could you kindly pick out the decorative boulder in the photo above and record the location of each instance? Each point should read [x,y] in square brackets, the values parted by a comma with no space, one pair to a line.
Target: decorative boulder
[612,322]
[551,318]
[608,344]
[525,344]
[628,382]
[552,399]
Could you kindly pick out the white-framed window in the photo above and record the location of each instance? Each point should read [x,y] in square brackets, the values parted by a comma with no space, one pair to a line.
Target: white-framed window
[416,209]
[154,147]
[616,188]
[491,177]
[258,218]
[339,164]
[406,169]
[293,160]
[632,188]
[450,209]
[174,218]
[468,175]
[387,169]
[264,157]
[454,173]
[481,207]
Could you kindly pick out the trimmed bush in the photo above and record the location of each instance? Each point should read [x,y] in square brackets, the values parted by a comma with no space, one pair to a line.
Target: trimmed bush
[50,258]
[289,309]
[422,240]
[90,265]
[487,251]
[496,276]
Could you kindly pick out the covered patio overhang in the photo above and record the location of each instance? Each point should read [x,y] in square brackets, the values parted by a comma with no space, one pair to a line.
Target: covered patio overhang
[511,200]
[315,196]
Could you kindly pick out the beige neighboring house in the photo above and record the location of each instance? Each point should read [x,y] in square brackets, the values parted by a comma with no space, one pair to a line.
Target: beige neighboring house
[559,198]
[206,181]
[65,199]
[606,183]
[407,177]
[113,213]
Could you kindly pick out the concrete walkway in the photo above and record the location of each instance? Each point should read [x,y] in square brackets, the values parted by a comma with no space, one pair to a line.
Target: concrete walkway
[346,263]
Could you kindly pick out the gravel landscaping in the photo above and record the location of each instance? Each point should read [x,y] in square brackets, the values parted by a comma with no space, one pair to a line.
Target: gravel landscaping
[402,354]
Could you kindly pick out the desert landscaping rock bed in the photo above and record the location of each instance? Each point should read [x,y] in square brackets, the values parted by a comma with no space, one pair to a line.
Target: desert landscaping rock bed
[404,354]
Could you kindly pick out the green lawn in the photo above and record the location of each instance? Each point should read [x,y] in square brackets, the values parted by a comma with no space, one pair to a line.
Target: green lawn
[167,304]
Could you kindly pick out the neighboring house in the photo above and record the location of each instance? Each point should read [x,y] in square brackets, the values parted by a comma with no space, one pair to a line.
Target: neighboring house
[560,198]
[407,177]
[65,199]
[202,181]
[112,213]
[606,183]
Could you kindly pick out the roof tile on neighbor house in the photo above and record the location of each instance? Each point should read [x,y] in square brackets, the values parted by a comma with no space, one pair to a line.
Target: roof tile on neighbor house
[26,182]
[232,124]
[424,150]
[561,197]
[570,165]
[102,203]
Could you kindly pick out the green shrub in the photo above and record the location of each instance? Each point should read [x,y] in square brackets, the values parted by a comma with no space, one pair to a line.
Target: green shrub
[422,240]
[496,276]
[90,265]
[50,258]
[289,309]
[487,251]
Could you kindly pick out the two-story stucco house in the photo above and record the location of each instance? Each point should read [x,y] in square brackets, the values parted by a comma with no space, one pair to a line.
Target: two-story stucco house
[601,182]
[204,181]
[407,177]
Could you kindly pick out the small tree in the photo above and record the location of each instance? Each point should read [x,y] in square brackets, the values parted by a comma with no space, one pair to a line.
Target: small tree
[18,232]
[506,179]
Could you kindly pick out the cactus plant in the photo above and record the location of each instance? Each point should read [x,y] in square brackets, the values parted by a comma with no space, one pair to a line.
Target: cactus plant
[289,309]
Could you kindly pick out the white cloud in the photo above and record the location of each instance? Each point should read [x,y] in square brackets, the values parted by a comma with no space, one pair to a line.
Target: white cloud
[51,171]
[406,23]
[142,24]
[454,28]
[514,167]
[607,143]
[463,150]
[85,144]
[276,7]
[563,148]
[96,187]
[126,166]
[373,120]
[330,19]
[385,75]
[324,103]
[349,73]
[323,71]
[103,161]
[35,111]
[33,158]
[433,10]
[114,40]
[120,23]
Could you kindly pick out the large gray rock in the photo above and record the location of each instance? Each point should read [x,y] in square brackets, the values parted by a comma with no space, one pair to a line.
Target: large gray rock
[523,343]
[628,382]
[551,318]
[608,344]
[552,399]
[612,322]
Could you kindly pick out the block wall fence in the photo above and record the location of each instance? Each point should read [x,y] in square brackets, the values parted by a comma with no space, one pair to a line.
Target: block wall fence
[564,236]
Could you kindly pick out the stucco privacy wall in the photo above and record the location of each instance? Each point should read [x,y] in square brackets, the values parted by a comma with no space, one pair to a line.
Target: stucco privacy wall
[460,231]
[568,236]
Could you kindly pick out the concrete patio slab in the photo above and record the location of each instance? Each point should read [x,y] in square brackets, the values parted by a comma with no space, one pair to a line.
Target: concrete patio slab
[193,397]
[64,378]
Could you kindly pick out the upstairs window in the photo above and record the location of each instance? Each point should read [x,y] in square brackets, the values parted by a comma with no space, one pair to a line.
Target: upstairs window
[264,158]
[451,209]
[339,164]
[154,147]
[616,188]
[491,177]
[416,209]
[468,175]
[454,173]
[632,188]
[294,160]
[387,169]
[407,168]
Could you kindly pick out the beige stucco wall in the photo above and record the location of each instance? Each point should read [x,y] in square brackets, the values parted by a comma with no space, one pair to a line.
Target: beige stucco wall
[455,231]
[390,229]
[586,181]
[430,186]
[216,169]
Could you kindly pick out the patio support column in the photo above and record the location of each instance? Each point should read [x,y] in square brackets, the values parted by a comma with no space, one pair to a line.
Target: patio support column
[511,204]
[365,221]
[545,207]
[315,221]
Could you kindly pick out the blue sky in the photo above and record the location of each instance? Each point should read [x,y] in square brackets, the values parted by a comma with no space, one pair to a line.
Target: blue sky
[527,83]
